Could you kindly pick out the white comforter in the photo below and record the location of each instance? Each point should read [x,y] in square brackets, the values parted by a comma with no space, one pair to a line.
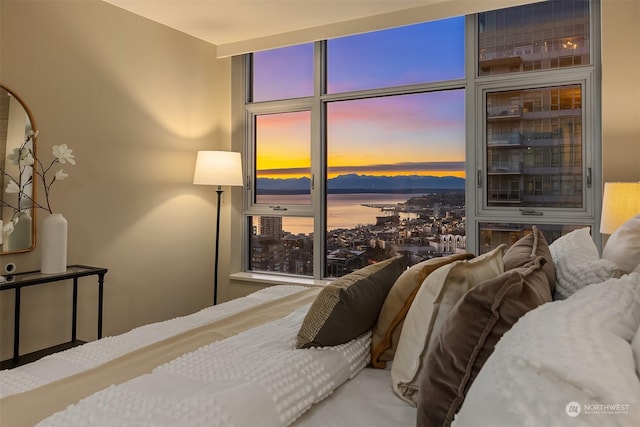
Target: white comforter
[79,359]
[256,378]
[567,363]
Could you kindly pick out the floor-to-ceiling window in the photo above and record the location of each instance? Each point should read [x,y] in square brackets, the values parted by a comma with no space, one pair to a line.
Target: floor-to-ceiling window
[366,146]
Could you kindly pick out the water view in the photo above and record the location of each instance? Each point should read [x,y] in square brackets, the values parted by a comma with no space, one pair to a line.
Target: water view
[344,211]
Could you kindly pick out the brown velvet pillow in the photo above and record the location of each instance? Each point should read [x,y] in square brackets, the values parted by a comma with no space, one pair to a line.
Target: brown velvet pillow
[469,335]
[528,249]
[349,306]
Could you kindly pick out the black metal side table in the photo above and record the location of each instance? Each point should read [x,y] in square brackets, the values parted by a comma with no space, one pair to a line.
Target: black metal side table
[21,280]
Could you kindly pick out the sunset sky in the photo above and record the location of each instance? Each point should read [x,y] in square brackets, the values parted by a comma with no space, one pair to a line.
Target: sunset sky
[417,134]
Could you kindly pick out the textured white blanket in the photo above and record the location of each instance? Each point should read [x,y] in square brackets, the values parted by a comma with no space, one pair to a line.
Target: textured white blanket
[255,378]
[79,359]
[566,363]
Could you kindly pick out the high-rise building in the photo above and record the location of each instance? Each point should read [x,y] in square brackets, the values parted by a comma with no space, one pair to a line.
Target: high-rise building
[271,226]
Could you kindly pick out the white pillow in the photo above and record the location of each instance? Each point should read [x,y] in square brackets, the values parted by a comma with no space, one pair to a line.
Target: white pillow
[623,246]
[635,347]
[578,264]
[437,295]
[576,244]
[575,350]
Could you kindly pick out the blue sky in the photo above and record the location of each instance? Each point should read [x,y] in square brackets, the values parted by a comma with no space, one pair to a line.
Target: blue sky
[407,134]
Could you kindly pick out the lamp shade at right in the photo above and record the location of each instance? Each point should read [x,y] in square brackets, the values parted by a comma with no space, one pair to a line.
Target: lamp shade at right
[620,202]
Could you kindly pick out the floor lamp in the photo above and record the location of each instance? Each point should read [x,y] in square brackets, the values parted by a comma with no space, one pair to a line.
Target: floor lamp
[218,168]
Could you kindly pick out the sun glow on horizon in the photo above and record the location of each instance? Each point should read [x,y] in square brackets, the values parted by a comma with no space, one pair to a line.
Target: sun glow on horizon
[295,173]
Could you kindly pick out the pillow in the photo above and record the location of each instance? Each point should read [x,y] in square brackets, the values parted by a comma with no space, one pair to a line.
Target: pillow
[575,350]
[386,331]
[349,306]
[527,249]
[623,246]
[440,291]
[578,264]
[469,335]
[577,244]
[635,347]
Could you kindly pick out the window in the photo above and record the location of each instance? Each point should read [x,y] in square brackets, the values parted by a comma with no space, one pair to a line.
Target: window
[370,145]
[283,73]
[540,36]
[283,158]
[524,128]
[382,152]
[413,54]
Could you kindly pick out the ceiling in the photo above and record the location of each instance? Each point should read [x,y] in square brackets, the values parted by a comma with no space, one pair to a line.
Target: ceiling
[241,26]
[229,21]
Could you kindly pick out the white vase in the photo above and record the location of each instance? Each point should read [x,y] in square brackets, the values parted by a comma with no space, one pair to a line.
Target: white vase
[53,251]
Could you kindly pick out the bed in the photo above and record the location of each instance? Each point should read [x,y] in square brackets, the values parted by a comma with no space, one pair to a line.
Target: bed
[529,335]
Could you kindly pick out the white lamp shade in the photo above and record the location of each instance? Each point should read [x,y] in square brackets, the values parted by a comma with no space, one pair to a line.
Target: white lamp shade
[620,202]
[218,168]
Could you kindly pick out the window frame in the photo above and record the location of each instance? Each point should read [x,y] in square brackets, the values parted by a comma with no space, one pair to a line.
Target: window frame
[543,214]
[476,87]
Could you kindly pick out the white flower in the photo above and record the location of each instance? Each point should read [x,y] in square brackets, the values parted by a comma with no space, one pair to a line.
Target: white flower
[60,175]
[8,227]
[28,159]
[14,156]
[12,187]
[63,154]
[21,156]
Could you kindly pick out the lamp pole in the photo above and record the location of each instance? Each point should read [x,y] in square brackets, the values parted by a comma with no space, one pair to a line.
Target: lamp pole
[215,271]
[218,168]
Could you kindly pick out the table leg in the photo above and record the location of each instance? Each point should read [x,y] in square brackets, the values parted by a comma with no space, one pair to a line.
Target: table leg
[74,321]
[16,325]
[100,298]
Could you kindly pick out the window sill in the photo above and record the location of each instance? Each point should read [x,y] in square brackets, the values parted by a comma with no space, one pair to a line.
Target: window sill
[276,279]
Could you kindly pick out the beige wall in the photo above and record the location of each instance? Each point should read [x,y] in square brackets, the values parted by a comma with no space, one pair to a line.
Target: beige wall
[135,100]
[621,90]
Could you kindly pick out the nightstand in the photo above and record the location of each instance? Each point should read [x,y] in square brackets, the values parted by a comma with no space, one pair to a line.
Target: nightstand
[31,278]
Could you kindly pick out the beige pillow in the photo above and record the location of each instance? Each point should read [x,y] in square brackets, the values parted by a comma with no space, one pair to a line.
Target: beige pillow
[470,334]
[440,291]
[350,305]
[386,331]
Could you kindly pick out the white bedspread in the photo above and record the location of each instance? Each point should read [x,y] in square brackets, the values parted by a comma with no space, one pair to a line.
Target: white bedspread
[93,354]
[255,378]
[368,400]
[566,363]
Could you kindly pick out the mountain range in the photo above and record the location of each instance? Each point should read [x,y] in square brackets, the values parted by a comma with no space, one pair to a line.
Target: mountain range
[354,183]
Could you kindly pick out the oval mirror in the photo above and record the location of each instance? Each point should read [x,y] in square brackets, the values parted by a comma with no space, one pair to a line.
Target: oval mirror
[17,143]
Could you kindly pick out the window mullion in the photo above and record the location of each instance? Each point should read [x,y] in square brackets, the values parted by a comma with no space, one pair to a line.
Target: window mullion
[318,159]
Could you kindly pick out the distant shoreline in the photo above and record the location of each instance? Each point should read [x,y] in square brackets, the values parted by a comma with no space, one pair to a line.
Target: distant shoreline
[365,191]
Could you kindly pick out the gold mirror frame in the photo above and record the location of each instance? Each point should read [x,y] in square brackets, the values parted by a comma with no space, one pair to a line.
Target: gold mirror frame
[24,236]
